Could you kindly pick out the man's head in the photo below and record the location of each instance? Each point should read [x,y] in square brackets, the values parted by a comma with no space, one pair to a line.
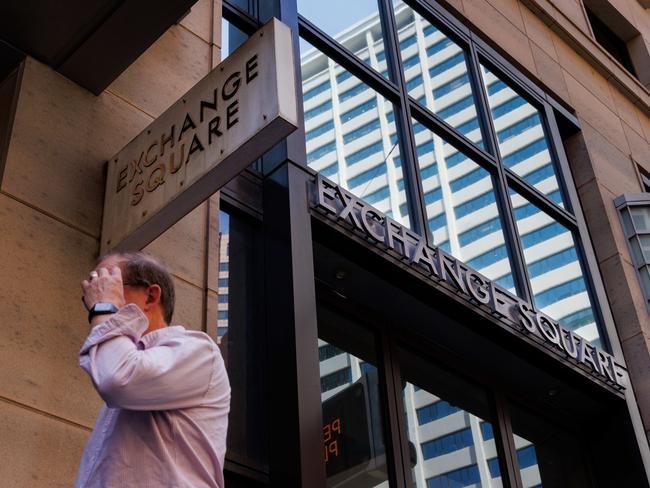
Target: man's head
[147,283]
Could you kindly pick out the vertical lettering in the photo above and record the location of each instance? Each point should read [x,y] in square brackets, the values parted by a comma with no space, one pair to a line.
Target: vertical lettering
[121,180]
[213,128]
[147,161]
[586,355]
[188,124]
[156,178]
[336,426]
[231,111]
[619,376]
[138,193]
[477,287]
[234,80]
[165,139]
[324,195]
[369,223]
[251,69]
[172,157]
[569,343]
[605,363]
[524,317]
[548,328]
[327,433]
[394,233]
[449,269]
[212,104]
[348,207]
[194,146]
[136,167]
[333,448]
[424,256]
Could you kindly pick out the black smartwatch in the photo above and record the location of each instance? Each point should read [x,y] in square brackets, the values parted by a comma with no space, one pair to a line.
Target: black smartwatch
[101,308]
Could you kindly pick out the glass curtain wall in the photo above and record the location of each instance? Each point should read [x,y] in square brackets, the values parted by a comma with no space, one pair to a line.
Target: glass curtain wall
[435,137]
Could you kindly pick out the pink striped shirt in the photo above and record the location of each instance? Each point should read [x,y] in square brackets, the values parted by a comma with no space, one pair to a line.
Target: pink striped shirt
[167,400]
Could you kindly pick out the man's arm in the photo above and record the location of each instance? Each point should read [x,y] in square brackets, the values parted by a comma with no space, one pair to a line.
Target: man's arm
[174,374]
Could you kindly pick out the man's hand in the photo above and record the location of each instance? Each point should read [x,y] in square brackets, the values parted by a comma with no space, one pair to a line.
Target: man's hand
[104,285]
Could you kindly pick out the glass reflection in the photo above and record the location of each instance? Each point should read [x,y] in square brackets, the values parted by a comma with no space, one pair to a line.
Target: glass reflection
[547,456]
[522,142]
[231,38]
[461,207]
[223,275]
[353,439]
[452,440]
[350,134]
[556,278]
[240,336]
[359,29]
[436,72]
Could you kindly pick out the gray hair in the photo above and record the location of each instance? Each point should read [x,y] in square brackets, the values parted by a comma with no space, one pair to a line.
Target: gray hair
[140,268]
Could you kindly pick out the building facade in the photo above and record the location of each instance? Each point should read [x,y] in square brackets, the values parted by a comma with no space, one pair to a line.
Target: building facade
[438,280]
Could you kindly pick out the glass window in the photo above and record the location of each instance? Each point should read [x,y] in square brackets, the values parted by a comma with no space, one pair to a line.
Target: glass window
[461,208]
[556,278]
[231,38]
[350,137]
[520,132]
[546,455]
[240,335]
[610,40]
[635,216]
[436,72]
[446,419]
[353,437]
[358,29]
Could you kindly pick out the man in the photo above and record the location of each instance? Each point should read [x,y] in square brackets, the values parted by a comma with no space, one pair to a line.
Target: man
[166,389]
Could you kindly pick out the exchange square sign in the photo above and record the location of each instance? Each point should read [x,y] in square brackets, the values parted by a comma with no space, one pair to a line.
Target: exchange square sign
[240,110]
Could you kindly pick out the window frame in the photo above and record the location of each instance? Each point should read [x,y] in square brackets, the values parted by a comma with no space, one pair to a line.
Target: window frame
[408,112]
[625,203]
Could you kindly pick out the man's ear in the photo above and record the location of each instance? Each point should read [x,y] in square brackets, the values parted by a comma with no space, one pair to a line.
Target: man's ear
[153,295]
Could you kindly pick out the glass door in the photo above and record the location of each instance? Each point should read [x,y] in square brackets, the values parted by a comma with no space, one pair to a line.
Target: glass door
[449,424]
[354,450]
[444,426]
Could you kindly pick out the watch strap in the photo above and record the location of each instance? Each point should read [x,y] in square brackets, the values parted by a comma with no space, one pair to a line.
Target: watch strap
[101,308]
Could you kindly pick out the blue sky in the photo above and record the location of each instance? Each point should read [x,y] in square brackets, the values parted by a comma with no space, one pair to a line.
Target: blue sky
[326,14]
[334,16]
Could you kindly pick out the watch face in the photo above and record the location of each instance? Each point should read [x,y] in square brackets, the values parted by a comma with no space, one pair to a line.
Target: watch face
[100,309]
[104,307]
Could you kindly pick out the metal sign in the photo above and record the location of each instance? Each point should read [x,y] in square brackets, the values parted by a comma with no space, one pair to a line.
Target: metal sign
[240,110]
[445,270]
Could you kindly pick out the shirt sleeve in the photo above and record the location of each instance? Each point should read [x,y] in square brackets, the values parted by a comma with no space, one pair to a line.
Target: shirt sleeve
[174,373]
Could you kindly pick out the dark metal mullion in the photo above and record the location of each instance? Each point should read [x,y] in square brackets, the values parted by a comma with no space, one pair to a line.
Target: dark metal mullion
[588,262]
[516,251]
[540,200]
[505,443]
[406,138]
[537,100]
[512,74]
[448,21]
[347,59]
[239,18]
[434,123]
[394,436]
